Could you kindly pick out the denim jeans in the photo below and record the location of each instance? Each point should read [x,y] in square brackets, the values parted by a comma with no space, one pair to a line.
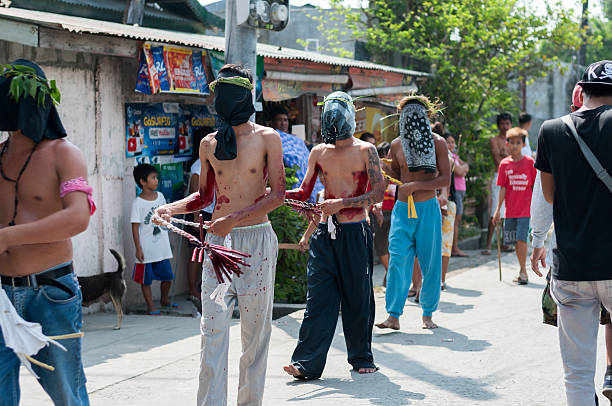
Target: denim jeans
[578,320]
[58,313]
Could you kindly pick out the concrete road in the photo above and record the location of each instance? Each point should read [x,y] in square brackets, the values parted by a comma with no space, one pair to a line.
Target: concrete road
[491,348]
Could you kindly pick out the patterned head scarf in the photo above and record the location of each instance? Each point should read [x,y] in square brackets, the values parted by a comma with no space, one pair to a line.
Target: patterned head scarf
[338,118]
[416,137]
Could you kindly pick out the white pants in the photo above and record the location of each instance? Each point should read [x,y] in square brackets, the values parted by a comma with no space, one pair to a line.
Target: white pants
[254,293]
[578,320]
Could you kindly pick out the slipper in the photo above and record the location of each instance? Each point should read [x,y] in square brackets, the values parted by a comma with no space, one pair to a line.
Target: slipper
[412,293]
[443,286]
[460,255]
[507,249]
[485,252]
[155,313]
[171,305]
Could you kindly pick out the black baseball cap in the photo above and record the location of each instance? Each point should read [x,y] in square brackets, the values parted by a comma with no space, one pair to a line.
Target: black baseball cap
[597,74]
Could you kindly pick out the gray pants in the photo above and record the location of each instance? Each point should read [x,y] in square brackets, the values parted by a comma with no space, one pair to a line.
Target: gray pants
[578,320]
[254,293]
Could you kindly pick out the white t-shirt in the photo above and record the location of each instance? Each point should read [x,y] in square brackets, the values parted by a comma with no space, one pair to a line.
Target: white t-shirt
[196,168]
[153,238]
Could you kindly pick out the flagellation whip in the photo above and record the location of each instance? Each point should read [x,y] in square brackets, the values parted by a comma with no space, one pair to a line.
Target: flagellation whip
[225,261]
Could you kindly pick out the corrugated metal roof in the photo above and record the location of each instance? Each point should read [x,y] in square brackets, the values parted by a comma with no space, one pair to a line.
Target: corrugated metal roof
[85,25]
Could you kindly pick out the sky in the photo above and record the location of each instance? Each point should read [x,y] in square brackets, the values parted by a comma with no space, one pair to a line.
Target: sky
[539,4]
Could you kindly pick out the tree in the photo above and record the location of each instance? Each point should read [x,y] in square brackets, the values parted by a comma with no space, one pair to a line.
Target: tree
[476,49]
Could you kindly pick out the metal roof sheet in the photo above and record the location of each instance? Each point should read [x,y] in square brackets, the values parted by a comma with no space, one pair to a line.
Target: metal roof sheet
[97,27]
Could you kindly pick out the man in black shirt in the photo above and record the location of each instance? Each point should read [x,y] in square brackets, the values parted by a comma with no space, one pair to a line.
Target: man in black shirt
[582,211]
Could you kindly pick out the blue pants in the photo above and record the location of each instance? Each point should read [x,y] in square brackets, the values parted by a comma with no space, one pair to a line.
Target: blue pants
[58,313]
[421,236]
[339,273]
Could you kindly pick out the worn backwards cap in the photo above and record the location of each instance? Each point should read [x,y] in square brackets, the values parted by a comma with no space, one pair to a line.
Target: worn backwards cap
[597,74]
[35,121]
[338,118]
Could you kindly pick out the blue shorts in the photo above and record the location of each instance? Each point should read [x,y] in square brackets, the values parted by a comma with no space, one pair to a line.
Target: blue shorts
[516,229]
[146,273]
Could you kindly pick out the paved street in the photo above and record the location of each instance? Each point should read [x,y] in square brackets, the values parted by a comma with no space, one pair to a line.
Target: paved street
[491,348]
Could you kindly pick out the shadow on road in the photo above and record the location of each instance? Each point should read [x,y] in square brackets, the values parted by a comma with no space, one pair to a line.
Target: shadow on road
[441,337]
[138,334]
[359,387]
[462,292]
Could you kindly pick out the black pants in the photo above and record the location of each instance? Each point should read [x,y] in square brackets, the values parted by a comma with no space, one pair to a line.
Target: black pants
[339,273]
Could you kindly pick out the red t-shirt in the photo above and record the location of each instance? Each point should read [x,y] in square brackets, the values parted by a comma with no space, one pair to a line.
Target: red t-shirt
[518,178]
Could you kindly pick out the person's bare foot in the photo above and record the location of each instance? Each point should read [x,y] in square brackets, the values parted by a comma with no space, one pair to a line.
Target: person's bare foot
[391,323]
[367,370]
[428,323]
[459,253]
[292,370]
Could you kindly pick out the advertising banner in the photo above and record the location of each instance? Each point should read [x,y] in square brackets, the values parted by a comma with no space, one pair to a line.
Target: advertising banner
[171,69]
[154,129]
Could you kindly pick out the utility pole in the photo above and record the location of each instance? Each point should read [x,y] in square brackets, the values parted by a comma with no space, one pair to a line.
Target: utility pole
[240,40]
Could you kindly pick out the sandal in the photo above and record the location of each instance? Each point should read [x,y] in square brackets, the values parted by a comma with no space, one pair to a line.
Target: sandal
[412,293]
[485,252]
[521,281]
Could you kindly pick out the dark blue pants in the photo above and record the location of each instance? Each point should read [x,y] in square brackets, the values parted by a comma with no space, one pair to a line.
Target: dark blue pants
[339,273]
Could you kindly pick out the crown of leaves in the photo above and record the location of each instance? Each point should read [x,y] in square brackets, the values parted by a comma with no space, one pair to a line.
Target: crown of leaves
[26,82]
[232,80]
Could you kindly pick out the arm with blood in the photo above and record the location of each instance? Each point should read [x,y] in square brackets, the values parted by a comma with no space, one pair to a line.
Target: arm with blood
[303,192]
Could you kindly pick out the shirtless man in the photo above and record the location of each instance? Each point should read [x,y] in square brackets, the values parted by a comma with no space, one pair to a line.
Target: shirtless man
[38,216]
[499,150]
[341,257]
[419,158]
[237,162]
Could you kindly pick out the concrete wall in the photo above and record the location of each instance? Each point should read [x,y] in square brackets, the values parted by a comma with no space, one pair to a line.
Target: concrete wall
[94,89]
[550,97]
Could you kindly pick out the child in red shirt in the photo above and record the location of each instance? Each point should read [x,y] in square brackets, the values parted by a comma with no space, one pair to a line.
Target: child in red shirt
[516,177]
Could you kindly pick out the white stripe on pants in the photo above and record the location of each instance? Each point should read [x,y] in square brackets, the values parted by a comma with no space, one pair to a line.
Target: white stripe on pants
[254,293]
[578,319]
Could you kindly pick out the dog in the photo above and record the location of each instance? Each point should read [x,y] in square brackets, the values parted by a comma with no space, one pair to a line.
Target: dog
[106,286]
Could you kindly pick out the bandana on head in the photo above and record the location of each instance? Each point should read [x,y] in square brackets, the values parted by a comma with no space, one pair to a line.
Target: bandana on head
[36,121]
[416,137]
[338,118]
[234,105]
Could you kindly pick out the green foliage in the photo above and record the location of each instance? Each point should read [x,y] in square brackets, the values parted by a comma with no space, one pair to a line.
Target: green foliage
[602,32]
[476,49]
[290,284]
[25,82]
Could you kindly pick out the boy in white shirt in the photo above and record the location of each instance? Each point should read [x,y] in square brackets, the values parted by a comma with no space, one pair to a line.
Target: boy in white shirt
[151,241]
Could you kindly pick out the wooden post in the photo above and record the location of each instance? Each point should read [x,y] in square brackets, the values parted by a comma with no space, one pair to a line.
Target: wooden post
[499,250]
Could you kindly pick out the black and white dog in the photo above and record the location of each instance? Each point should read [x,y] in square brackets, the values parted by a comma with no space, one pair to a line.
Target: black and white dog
[106,286]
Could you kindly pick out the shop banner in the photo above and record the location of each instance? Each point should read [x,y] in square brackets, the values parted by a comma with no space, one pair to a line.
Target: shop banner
[154,129]
[171,69]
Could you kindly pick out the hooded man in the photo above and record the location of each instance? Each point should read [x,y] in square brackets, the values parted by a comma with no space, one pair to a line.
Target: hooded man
[238,161]
[340,261]
[419,158]
[39,215]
